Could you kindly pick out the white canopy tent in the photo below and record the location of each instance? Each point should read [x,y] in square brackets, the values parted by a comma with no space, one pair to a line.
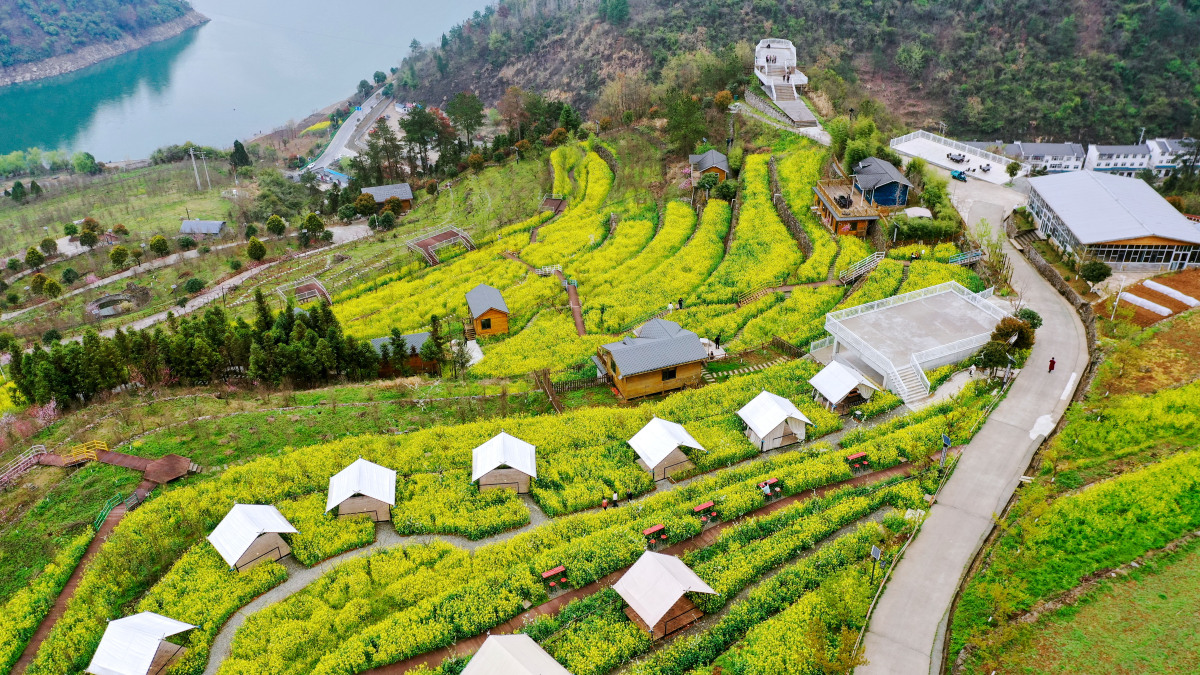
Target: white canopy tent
[767,412]
[515,654]
[504,450]
[362,478]
[838,379]
[242,525]
[130,644]
[658,438]
[655,583]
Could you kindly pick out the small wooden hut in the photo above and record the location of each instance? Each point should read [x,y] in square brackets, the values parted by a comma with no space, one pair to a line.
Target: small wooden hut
[489,313]
[249,534]
[659,446]
[363,487]
[137,645]
[773,421]
[515,654]
[656,588]
[504,462]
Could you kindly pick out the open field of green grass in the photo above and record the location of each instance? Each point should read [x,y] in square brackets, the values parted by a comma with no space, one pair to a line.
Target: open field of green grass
[1146,623]
[147,201]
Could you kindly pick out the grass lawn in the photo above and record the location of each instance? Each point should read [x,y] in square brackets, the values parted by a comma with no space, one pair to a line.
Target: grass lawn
[147,201]
[1148,623]
[480,203]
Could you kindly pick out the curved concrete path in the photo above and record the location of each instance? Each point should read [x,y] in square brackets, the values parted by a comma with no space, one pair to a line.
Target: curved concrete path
[907,628]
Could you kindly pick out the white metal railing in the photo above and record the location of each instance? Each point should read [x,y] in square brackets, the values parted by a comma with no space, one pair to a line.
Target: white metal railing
[547,270]
[916,366]
[861,267]
[961,147]
[821,344]
[10,471]
[977,299]
[871,355]
[986,293]
[964,344]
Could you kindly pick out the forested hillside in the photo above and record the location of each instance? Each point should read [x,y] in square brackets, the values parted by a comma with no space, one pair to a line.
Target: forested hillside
[1096,71]
[31,31]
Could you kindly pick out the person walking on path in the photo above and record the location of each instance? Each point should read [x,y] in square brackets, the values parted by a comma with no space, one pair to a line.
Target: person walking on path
[614,499]
[1051,366]
[604,504]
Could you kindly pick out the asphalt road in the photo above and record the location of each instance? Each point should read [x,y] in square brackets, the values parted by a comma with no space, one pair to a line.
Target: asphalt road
[906,630]
[355,125]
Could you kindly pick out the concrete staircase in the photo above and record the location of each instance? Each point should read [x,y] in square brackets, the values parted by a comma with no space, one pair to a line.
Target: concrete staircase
[784,92]
[913,385]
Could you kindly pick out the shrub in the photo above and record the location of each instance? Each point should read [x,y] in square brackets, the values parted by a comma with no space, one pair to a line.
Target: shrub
[193,285]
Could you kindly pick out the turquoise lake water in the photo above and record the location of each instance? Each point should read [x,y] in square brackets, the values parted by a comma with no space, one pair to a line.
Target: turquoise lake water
[256,65]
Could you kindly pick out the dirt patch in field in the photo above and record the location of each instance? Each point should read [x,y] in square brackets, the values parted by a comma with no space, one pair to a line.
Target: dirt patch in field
[1187,282]
[1168,358]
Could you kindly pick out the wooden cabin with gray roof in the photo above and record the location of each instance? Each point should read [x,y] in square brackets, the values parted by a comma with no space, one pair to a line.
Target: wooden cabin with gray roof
[489,312]
[661,356]
[401,191]
[709,162]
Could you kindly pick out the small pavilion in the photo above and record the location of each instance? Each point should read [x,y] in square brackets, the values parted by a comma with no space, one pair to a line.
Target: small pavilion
[137,645]
[659,448]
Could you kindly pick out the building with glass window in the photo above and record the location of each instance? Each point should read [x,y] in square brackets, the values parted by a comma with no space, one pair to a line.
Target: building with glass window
[1121,221]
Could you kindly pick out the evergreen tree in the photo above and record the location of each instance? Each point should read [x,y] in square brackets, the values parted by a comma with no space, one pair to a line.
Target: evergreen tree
[255,250]
[18,192]
[276,226]
[35,190]
[34,258]
[159,245]
[238,158]
[48,246]
[466,112]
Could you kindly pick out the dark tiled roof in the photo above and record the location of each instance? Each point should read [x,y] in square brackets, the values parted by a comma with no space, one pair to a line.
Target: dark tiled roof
[708,160]
[201,226]
[873,172]
[482,298]
[1123,149]
[410,341]
[382,193]
[660,344]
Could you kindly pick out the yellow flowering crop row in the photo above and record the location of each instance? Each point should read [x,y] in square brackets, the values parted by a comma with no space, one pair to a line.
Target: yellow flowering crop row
[321,534]
[628,298]
[20,616]
[562,160]
[723,321]
[793,319]
[580,226]
[549,341]
[201,589]
[939,252]
[926,273]
[798,174]
[852,250]
[629,237]
[763,251]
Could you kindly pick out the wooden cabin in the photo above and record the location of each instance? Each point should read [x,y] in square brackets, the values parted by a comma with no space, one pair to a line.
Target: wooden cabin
[138,645]
[655,588]
[489,313]
[515,654]
[881,182]
[382,193]
[709,162]
[250,534]
[405,356]
[842,209]
[659,446]
[660,357]
[840,387]
[773,421]
[504,463]
[362,487]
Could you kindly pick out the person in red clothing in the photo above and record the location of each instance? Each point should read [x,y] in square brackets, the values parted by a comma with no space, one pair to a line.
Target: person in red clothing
[1051,366]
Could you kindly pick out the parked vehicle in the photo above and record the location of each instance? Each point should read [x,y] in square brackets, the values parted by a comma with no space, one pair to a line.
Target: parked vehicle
[958,175]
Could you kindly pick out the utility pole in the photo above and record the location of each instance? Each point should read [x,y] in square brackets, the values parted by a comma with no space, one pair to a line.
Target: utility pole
[192,152]
[1141,135]
[204,160]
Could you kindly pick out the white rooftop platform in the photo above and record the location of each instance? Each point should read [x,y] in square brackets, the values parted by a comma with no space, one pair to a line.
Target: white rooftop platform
[898,338]
[933,149]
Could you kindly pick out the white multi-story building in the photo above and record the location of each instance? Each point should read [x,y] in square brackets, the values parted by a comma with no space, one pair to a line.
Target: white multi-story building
[1122,160]
[1165,154]
[1050,157]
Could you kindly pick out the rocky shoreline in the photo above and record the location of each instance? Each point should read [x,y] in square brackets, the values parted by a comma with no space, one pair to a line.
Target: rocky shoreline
[92,54]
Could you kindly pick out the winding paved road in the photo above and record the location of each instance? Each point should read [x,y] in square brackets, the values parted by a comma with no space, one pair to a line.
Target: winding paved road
[907,628]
